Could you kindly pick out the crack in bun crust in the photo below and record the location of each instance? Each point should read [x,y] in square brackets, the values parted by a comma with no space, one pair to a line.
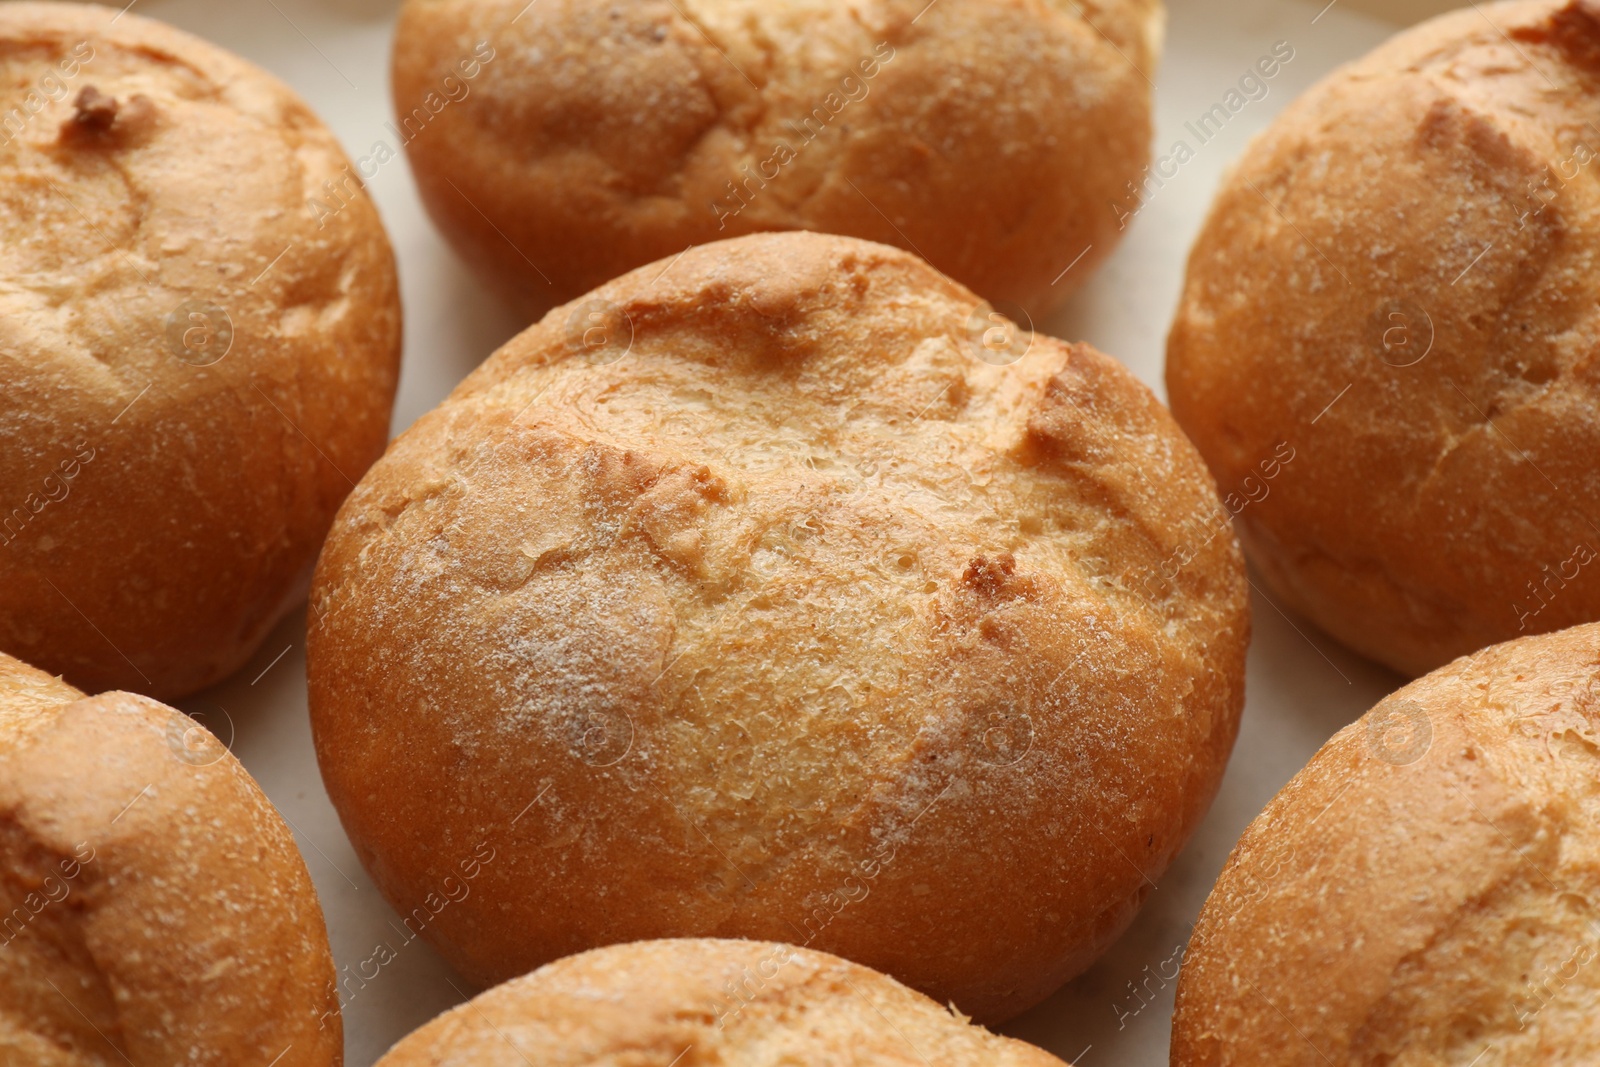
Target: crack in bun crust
[795,621]
[992,138]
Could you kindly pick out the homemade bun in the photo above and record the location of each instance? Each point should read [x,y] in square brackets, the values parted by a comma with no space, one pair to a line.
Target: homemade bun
[665,1003]
[194,366]
[1383,286]
[1424,889]
[153,908]
[778,612]
[560,144]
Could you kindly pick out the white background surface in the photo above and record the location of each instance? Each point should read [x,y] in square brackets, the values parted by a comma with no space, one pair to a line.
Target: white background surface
[1302,687]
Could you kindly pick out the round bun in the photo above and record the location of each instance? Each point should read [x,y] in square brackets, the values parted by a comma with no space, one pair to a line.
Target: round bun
[1422,890]
[1398,282]
[194,366]
[777,612]
[650,1003]
[560,144]
[153,908]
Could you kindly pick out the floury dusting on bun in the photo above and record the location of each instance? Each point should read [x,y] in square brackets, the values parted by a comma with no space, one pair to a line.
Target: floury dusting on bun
[783,590]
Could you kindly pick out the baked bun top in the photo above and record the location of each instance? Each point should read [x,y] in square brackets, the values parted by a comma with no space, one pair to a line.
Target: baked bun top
[1422,890]
[155,910]
[195,366]
[569,141]
[789,541]
[1398,278]
[29,698]
[659,1003]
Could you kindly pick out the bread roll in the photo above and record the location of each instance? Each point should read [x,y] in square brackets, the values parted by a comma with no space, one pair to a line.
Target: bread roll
[195,366]
[562,143]
[1422,893]
[667,1003]
[781,592]
[153,908]
[1398,281]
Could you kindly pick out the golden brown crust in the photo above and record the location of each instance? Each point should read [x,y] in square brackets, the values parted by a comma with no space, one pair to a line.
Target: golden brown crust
[153,907]
[1422,891]
[29,698]
[789,623]
[160,507]
[706,1002]
[991,138]
[1444,505]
